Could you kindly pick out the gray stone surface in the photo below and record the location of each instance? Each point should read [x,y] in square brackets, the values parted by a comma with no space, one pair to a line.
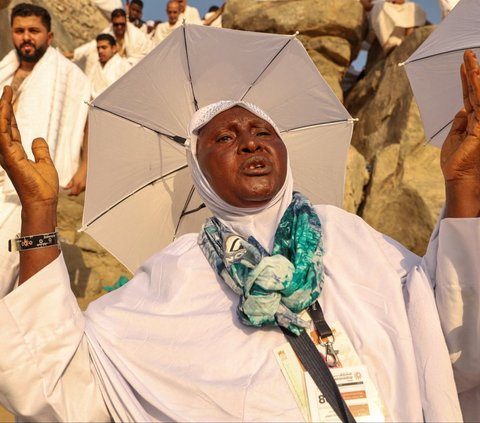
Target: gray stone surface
[405,192]
[330,30]
[356,179]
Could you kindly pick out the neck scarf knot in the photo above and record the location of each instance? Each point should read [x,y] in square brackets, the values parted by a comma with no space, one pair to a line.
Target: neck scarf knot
[274,288]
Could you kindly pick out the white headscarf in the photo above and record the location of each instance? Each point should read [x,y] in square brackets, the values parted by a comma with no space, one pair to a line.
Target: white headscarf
[261,222]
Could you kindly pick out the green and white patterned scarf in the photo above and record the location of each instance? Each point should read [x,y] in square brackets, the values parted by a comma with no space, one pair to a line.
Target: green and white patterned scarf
[273,289]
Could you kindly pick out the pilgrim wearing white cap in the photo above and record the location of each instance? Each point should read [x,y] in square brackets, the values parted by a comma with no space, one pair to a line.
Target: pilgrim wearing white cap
[192,336]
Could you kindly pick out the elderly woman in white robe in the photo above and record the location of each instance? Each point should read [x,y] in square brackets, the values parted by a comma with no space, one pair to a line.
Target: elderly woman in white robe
[169,345]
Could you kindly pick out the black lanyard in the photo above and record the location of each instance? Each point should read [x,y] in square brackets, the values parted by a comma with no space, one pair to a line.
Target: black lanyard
[315,365]
[326,337]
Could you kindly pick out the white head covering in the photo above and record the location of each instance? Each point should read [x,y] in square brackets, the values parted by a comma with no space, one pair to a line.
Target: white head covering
[261,222]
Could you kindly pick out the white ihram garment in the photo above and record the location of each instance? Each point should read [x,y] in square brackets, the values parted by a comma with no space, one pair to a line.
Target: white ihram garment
[217,23]
[101,77]
[191,16]
[389,20]
[50,105]
[168,345]
[137,45]
[163,30]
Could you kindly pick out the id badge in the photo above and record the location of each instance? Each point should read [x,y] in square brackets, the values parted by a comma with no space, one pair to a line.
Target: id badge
[355,385]
[357,391]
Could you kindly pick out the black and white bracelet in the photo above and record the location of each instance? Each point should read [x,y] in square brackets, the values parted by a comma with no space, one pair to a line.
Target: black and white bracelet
[30,242]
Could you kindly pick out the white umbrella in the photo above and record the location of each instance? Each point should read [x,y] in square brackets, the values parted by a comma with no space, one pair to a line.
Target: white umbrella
[433,69]
[139,193]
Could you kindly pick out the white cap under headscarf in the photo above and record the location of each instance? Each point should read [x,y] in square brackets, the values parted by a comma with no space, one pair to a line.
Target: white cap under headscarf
[261,222]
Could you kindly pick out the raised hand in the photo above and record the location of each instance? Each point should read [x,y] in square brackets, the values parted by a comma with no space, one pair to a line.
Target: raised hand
[36,182]
[460,156]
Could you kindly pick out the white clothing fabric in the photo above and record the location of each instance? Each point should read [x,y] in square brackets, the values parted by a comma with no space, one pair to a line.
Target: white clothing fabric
[446,6]
[217,23]
[101,77]
[168,345]
[191,16]
[137,43]
[389,20]
[50,105]
[85,56]
[163,30]
[143,27]
[10,209]
[137,46]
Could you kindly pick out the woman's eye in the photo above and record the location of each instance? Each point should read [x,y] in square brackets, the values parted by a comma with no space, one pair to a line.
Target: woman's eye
[263,134]
[224,138]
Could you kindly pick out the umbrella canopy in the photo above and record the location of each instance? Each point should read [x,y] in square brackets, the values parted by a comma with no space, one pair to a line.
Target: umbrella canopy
[139,192]
[433,69]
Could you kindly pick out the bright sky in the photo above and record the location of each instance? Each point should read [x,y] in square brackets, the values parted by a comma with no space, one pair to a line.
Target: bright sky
[155,9]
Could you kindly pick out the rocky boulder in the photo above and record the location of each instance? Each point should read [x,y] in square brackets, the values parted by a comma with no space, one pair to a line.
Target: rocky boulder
[331,30]
[405,192]
[356,178]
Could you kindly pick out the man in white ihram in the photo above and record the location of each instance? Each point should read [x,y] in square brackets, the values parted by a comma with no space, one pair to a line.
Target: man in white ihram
[164,29]
[189,13]
[49,96]
[132,44]
[109,67]
[168,345]
[393,20]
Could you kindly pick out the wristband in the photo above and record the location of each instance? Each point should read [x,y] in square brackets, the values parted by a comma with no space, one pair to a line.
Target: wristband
[31,242]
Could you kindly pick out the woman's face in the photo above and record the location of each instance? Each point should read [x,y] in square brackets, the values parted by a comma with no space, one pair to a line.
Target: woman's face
[242,157]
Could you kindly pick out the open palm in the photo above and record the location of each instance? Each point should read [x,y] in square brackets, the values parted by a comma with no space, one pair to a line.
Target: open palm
[460,156]
[36,182]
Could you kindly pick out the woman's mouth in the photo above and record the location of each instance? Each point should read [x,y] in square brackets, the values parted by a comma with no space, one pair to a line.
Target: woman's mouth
[257,166]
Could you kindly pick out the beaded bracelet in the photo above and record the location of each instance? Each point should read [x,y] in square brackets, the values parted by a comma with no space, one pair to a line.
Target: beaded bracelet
[30,242]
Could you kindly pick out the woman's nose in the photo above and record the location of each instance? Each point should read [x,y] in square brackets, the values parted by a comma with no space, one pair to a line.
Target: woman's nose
[249,143]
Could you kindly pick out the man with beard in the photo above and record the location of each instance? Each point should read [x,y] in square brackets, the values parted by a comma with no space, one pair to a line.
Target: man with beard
[49,99]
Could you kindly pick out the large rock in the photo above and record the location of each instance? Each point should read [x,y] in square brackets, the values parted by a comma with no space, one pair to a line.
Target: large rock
[330,30]
[356,179]
[74,22]
[406,191]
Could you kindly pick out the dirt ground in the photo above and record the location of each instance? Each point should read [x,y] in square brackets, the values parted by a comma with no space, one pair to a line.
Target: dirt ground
[5,416]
